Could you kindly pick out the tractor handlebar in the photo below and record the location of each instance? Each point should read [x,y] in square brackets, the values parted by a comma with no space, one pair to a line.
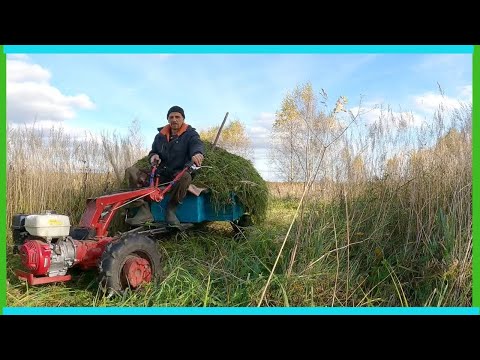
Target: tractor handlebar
[191,166]
[156,172]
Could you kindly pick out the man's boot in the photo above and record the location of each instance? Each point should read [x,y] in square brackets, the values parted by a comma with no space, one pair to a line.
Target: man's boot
[178,193]
[142,216]
[170,216]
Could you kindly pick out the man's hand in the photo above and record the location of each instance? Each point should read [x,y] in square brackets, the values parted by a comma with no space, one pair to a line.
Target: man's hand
[155,159]
[197,159]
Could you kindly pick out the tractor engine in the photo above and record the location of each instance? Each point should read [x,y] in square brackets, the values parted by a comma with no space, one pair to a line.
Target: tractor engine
[50,259]
[47,250]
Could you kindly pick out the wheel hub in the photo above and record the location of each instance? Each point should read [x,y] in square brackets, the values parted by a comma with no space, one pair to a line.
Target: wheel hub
[137,270]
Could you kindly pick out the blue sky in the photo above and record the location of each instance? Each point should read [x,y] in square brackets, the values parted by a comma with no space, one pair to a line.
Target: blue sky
[98,92]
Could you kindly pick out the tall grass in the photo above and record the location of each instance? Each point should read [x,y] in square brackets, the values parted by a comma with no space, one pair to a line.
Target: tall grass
[54,170]
[403,238]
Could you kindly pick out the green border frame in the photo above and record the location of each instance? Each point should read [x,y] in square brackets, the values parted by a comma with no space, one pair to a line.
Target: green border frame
[475,177]
[3,179]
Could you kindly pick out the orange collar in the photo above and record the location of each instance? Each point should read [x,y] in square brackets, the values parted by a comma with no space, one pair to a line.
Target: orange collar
[166,131]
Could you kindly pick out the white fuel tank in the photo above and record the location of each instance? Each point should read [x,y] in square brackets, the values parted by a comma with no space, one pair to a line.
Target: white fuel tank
[48,225]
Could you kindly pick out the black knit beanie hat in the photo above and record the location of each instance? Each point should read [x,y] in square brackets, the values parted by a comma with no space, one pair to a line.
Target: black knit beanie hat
[176,109]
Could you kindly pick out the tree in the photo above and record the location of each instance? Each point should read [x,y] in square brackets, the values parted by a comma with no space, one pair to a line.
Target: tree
[233,138]
[303,128]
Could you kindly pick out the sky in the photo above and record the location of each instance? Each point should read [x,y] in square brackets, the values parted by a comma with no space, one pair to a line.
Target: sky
[106,92]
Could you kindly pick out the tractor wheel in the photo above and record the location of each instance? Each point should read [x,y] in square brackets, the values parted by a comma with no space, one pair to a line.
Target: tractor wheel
[128,263]
[243,222]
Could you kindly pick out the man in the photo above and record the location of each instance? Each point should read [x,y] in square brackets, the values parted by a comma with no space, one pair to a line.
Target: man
[175,145]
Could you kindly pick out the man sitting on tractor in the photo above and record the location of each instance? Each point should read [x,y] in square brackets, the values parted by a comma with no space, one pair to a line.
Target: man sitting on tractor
[174,146]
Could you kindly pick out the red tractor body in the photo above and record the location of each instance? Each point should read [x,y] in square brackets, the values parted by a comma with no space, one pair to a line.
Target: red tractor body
[124,261]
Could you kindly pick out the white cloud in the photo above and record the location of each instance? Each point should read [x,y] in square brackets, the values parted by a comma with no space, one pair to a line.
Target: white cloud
[260,132]
[388,117]
[31,97]
[429,102]
[423,107]
[22,71]
[265,119]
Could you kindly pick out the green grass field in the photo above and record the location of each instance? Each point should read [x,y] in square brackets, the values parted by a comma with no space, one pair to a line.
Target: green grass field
[374,266]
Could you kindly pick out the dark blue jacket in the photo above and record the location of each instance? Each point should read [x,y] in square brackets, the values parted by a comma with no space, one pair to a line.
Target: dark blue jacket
[178,151]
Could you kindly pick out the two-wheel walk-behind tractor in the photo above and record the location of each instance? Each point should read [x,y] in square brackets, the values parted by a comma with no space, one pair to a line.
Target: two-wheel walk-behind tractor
[49,246]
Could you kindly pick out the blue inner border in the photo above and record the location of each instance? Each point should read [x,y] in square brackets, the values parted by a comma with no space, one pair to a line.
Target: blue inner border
[240,49]
[240,311]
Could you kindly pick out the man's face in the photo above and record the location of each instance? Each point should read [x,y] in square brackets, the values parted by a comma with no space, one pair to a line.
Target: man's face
[175,120]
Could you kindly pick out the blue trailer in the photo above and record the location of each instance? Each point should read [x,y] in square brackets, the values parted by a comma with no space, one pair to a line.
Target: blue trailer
[198,209]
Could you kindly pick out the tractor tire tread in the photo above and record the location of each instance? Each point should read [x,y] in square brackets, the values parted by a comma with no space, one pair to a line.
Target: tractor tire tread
[113,258]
